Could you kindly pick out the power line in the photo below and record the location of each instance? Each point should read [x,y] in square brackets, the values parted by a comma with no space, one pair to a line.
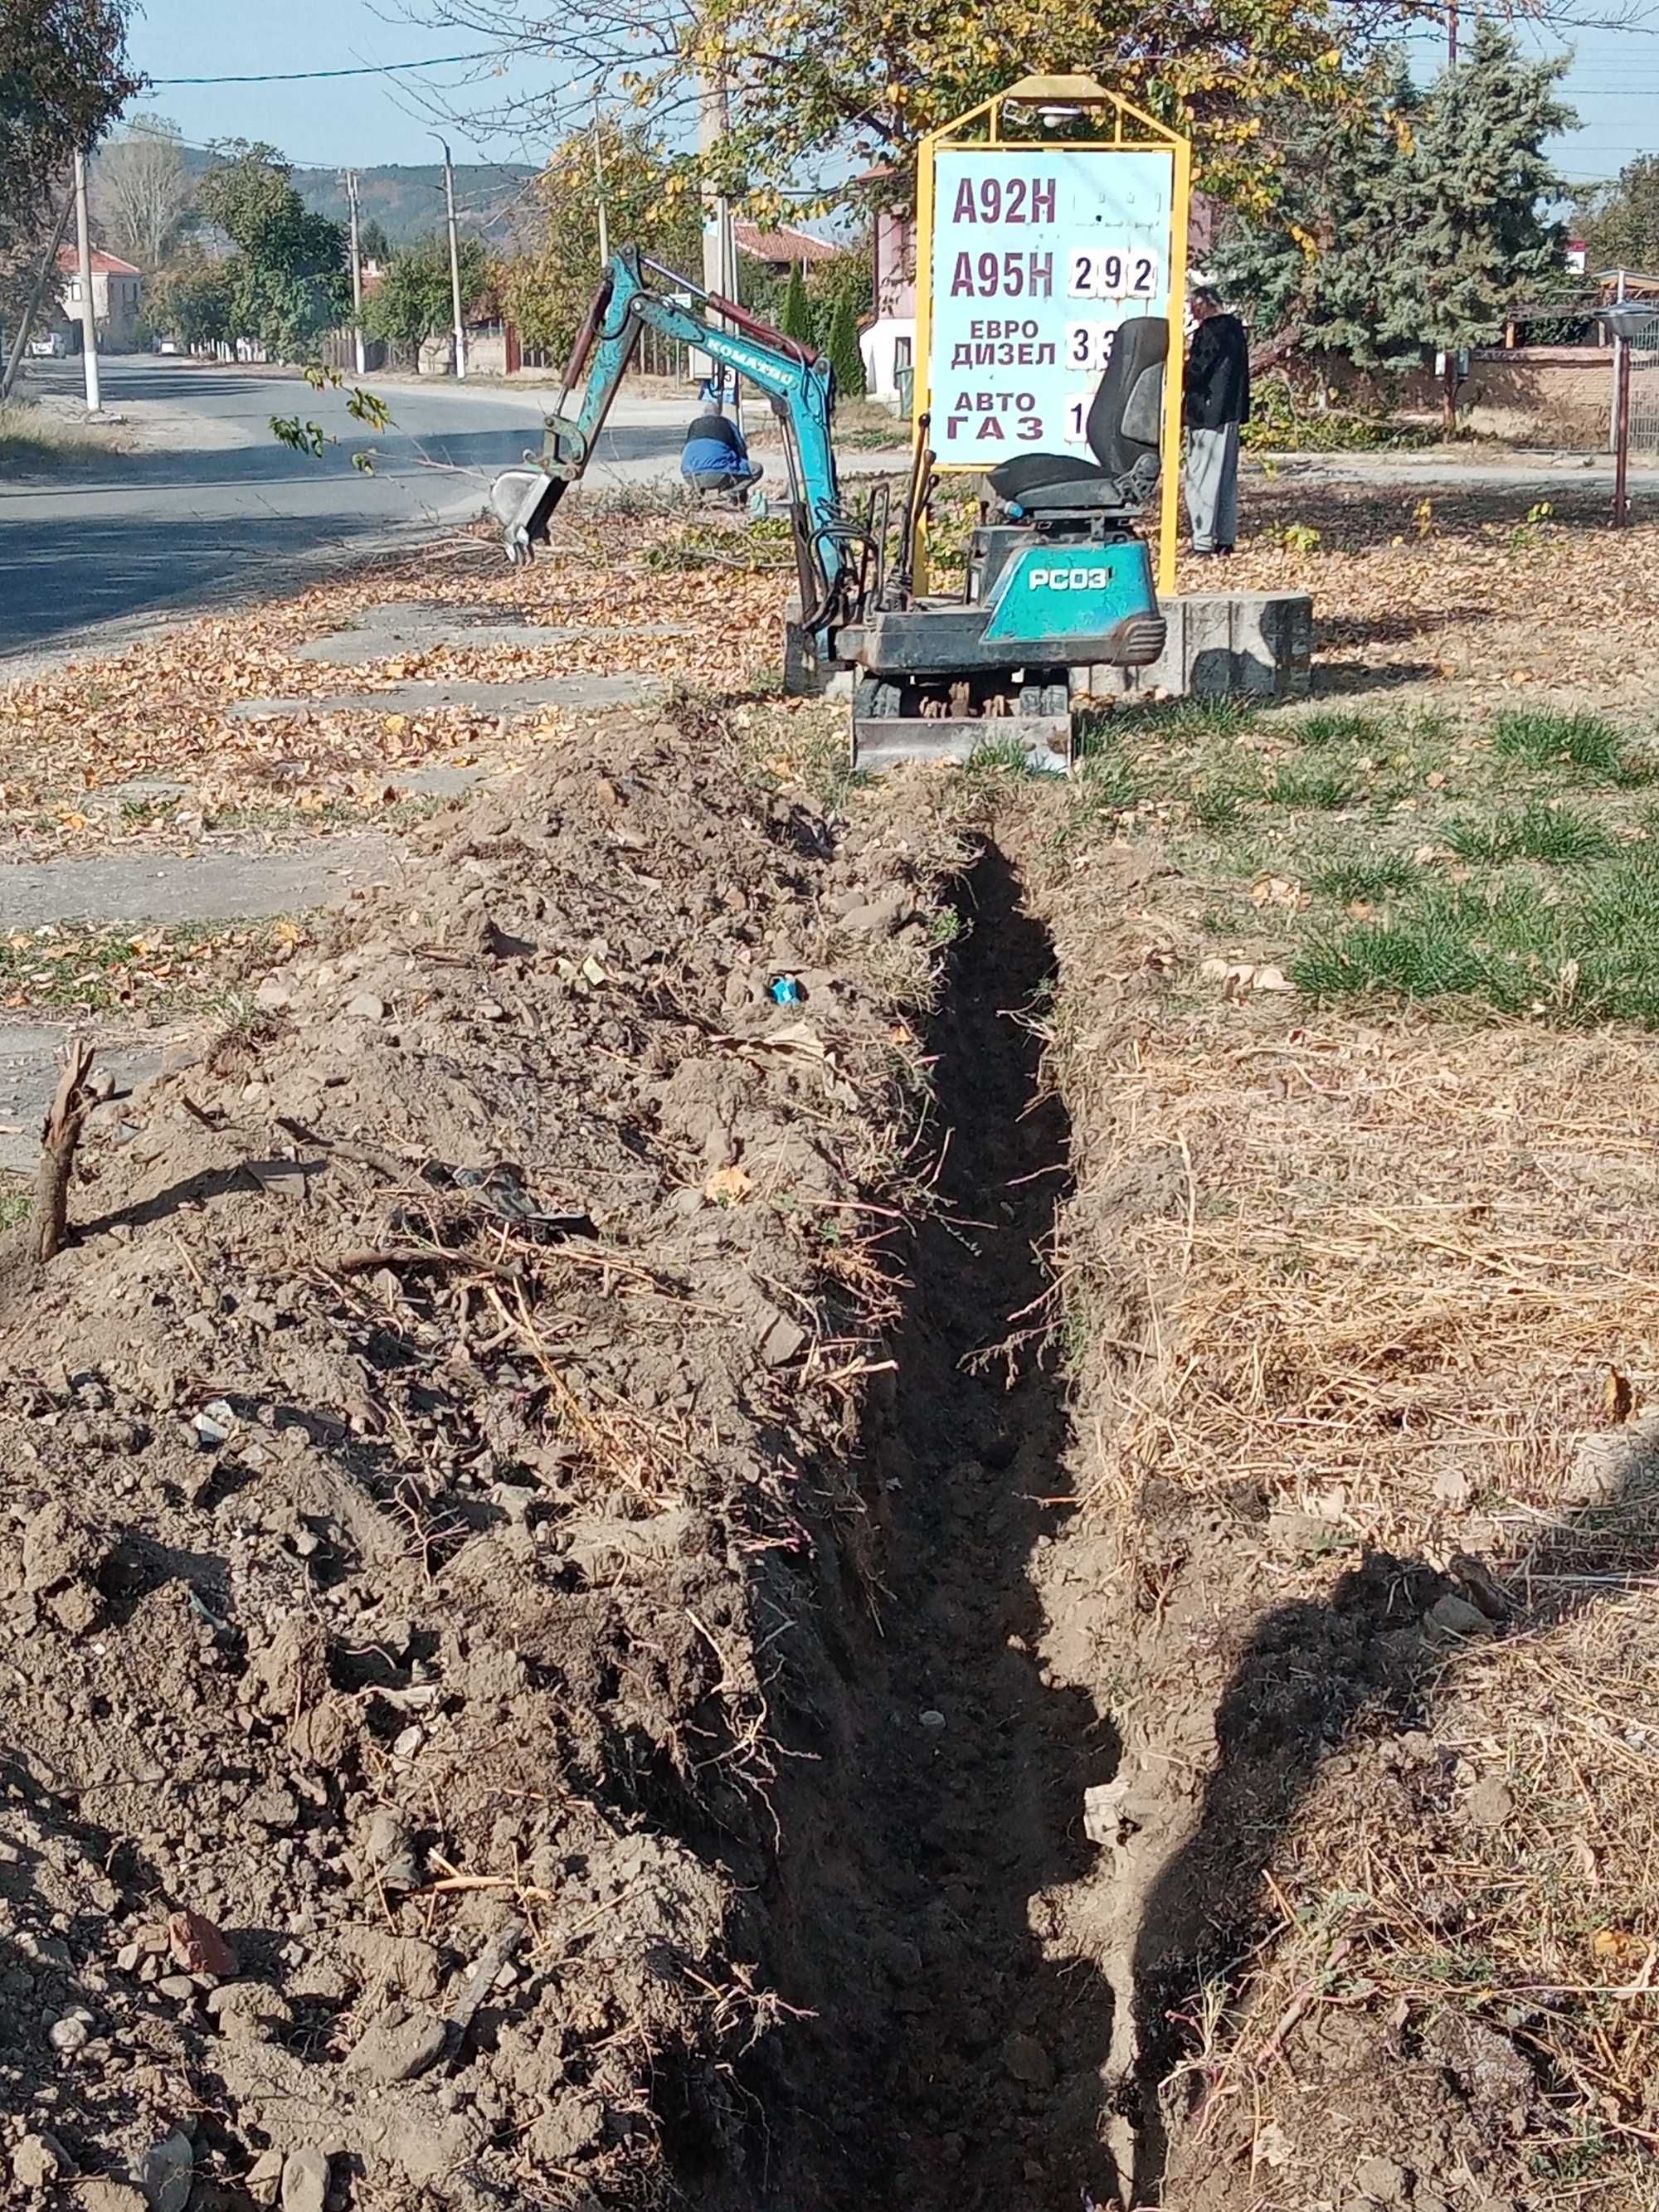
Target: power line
[308,76]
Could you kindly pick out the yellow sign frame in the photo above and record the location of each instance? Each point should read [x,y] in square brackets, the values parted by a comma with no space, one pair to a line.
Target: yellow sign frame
[1132,131]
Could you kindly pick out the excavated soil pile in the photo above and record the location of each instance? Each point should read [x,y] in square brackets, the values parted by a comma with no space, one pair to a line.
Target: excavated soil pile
[405,1560]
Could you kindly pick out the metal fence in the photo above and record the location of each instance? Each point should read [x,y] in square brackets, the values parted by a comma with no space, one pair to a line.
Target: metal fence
[661,355]
[1644,390]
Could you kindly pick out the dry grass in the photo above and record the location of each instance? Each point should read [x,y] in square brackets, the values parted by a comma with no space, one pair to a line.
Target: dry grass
[1343,1291]
[34,441]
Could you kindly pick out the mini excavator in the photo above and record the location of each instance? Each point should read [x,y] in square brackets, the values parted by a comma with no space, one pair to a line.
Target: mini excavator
[1058,577]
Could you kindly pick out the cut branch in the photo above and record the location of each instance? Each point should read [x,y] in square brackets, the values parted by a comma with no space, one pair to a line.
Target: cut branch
[59,1135]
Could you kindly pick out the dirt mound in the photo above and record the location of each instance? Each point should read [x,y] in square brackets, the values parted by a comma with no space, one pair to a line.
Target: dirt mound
[393,1460]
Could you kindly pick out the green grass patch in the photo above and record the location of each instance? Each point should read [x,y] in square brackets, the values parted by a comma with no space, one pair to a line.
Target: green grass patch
[1104,787]
[1314,786]
[16,1206]
[1538,832]
[1365,875]
[1225,716]
[1537,738]
[1591,955]
[991,756]
[1339,725]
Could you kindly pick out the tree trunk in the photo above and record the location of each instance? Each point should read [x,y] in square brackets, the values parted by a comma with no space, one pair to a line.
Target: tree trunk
[1449,413]
[59,1136]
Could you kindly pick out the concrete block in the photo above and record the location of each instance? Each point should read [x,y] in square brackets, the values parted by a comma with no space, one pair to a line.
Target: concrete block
[1259,643]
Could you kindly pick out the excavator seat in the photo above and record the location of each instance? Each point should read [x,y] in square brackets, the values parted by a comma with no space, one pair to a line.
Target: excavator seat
[1124,422]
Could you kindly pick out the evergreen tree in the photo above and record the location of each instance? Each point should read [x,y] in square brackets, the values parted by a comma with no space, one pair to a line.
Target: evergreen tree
[1416,223]
[1479,242]
[846,358]
[796,319]
[1326,271]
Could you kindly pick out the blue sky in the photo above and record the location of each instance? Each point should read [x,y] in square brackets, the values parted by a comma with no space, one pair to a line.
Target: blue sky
[1614,83]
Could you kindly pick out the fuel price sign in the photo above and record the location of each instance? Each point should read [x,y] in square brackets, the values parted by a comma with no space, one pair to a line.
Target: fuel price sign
[1038,257]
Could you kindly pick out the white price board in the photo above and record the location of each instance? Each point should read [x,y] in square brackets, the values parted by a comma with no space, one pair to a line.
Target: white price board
[1039,256]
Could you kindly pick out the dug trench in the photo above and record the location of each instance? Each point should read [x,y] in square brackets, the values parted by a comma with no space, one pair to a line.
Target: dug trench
[523,1681]
[915,1913]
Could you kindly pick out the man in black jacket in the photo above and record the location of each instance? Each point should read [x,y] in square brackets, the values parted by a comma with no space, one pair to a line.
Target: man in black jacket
[1217,400]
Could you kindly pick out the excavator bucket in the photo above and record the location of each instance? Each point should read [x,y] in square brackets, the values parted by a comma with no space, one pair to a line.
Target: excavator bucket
[1033,719]
[522,500]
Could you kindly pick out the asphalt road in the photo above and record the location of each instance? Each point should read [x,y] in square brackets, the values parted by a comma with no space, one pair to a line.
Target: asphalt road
[216,508]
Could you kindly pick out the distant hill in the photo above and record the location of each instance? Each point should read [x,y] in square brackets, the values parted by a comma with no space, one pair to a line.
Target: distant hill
[407,198]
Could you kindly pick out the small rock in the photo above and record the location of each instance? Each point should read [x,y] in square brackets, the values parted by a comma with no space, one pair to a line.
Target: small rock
[1028,2062]
[273,1808]
[109,2197]
[1453,1487]
[931,1718]
[164,2173]
[248,2012]
[72,2032]
[305,2179]
[273,994]
[179,1987]
[491,1009]
[401,2042]
[199,1948]
[1490,1804]
[1382,2181]
[263,2178]
[38,2160]
[56,1549]
[1453,1619]
[783,1342]
[365,1007]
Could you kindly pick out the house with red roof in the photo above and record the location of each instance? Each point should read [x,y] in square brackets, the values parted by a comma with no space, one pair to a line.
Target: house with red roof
[117,291]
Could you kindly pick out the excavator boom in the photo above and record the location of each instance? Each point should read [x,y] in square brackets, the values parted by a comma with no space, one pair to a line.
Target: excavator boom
[797,384]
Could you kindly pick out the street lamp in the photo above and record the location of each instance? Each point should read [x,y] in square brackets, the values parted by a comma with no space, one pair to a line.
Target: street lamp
[1623,320]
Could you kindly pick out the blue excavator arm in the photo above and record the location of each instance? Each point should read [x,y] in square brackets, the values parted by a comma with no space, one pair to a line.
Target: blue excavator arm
[796,382]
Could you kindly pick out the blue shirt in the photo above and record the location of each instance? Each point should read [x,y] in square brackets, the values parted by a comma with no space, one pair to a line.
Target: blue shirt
[713,448]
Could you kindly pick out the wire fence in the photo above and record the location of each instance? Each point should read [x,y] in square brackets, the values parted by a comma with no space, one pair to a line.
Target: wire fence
[1644,390]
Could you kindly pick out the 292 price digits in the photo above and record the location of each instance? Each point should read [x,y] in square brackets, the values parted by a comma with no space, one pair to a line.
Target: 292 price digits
[1107,273]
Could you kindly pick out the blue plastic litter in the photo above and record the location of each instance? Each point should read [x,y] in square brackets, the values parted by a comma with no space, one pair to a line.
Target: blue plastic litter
[784,990]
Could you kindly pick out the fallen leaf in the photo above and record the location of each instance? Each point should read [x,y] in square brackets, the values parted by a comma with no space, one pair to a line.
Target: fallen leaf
[1617,1397]
[728,1186]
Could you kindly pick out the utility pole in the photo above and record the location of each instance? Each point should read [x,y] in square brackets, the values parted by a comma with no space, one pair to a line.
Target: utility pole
[88,314]
[48,269]
[718,275]
[719,271]
[454,260]
[356,274]
[1451,33]
[599,190]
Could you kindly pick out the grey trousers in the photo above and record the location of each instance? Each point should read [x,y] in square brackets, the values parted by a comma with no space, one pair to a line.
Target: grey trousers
[1211,483]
